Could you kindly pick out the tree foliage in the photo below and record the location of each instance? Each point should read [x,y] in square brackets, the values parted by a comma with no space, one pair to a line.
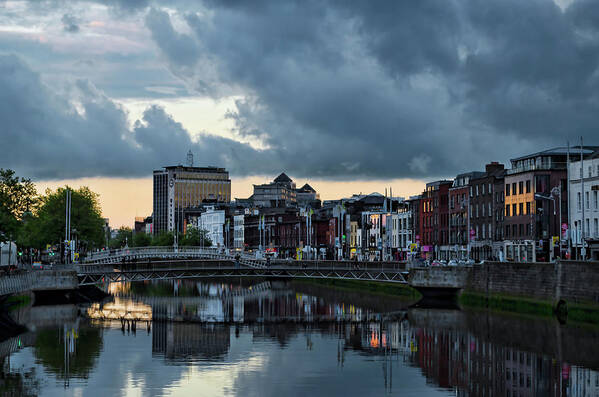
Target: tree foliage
[195,237]
[18,197]
[124,236]
[142,239]
[48,225]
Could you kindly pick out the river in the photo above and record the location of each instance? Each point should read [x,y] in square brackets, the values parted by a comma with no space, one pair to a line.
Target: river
[286,339]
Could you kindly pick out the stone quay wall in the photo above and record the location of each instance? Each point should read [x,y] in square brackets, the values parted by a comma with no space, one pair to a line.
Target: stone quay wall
[570,281]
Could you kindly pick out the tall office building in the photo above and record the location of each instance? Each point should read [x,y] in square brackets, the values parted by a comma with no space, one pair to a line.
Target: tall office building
[177,188]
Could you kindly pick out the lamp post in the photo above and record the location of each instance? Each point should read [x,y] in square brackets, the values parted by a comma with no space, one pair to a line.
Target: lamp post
[556,191]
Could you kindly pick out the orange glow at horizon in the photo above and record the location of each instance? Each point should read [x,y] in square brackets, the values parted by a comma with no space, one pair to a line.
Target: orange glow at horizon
[122,199]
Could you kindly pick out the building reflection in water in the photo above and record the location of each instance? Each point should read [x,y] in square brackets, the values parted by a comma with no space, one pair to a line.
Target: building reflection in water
[448,350]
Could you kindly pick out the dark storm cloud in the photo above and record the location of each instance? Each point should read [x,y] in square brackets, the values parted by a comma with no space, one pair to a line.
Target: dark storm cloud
[49,136]
[354,89]
[69,23]
[403,88]
[179,48]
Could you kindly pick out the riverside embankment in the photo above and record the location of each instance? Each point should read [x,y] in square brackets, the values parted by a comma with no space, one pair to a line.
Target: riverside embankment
[570,287]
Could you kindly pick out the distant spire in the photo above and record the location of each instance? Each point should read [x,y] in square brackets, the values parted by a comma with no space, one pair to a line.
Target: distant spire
[190,158]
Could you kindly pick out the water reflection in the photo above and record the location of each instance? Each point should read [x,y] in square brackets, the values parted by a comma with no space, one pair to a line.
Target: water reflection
[274,339]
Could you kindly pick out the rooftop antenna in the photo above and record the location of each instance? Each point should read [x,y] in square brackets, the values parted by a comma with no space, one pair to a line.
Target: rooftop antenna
[190,158]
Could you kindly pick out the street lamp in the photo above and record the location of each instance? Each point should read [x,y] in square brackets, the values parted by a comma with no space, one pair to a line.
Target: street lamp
[555,191]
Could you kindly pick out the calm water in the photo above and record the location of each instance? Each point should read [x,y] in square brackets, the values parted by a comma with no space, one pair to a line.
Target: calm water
[268,339]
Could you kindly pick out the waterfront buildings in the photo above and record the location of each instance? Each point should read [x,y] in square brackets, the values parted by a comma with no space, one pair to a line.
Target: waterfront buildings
[486,195]
[496,214]
[584,200]
[178,188]
[532,217]
[434,218]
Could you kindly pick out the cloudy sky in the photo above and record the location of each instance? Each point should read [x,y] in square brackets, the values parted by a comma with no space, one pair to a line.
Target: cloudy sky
[338,94]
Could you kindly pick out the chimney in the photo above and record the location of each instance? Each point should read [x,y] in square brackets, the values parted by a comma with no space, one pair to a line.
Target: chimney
[493,166]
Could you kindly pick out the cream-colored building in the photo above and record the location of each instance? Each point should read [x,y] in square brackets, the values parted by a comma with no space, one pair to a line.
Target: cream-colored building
[177,188]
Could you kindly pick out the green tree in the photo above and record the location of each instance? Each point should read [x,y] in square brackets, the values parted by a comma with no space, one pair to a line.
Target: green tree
[48,225]
[123,237]
[142,239]
[163,239]
[195,237]
[18,197]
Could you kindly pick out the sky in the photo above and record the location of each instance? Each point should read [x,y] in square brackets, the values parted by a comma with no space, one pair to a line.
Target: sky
[350,96]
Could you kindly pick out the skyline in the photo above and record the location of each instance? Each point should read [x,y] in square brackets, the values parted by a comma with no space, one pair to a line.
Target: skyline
[135,194]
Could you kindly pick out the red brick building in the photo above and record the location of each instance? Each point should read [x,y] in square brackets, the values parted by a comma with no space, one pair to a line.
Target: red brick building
[434,218]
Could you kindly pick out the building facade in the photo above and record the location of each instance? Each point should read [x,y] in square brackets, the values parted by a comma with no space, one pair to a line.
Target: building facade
[178,188]
[486,195]
[531,223]
[279,193]
[434,218]
[213,222]
[587,199]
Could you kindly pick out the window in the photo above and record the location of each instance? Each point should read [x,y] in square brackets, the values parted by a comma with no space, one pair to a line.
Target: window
[470,191]
[528,208]
[507,189]
[489,209]
[595,199]
[580,172]
[514,188]
[521,187]
[528,186]
[483,209]
[590,171]
[490,235]
[578,202]
[587,232]
[490,189]
[477,210]
[528,231]
[507,231]
[476,231]
[586,194]
[507,210]
[483,187]
[596,227]
[514,209]
[521,209]
[514,230]
[484,229]
[476,190]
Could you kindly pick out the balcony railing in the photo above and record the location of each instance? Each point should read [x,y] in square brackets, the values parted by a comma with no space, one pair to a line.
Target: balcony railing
[536,167]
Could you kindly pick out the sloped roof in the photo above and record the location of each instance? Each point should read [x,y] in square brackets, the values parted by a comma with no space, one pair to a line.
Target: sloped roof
[307,188]
[282,178]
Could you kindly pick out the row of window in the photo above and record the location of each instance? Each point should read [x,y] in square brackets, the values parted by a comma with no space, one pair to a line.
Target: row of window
[587,201]
[518,209]
[485,210]
[521,230]
[522,187]
[590,173]
[481,189]
[587,228]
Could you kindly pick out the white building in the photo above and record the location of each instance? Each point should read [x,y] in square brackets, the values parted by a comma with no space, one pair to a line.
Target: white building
[404,233]
[589,198]
[239,232]
[213,222]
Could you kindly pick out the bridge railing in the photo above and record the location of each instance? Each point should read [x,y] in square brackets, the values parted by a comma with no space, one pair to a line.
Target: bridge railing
[218,261]
[137,251]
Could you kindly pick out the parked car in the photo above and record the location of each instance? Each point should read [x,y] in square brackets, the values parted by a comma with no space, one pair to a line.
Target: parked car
[37,266]
[452,262]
